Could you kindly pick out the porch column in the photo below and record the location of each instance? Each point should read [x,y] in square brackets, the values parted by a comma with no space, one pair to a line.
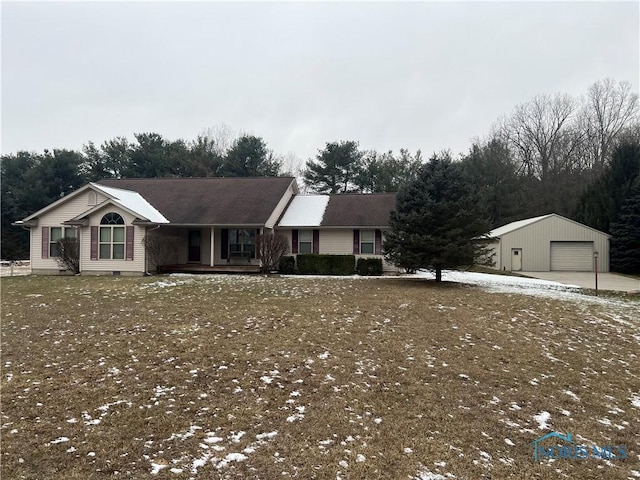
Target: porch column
[213,250]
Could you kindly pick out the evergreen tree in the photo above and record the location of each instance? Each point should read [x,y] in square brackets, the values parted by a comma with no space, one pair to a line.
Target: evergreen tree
[625,244]
[335,169]
[250,157]
[386,172]
[436,219]
[600,205]
[491,171]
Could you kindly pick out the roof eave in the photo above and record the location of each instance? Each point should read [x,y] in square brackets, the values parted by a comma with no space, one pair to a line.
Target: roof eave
[26,223]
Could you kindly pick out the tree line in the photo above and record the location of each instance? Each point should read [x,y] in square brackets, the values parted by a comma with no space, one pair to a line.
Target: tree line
[578,157]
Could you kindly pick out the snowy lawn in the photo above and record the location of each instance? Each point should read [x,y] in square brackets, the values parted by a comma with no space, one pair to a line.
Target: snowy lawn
[269,377]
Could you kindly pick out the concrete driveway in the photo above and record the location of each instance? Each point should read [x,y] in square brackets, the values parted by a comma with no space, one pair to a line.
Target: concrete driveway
[606,281]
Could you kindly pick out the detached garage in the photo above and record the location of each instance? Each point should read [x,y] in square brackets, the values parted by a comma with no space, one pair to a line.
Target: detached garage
[548,243]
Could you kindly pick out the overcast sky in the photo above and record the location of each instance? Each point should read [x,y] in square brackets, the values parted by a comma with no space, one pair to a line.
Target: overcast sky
[427,75]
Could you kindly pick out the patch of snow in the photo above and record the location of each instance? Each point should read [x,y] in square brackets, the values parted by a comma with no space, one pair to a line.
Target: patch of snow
[360,458]
[59,440]
[509,442]
[156,467]
[427,475]
[305,211]
[213,439]
[231,457]
[132,201]
[572,395]
[635,401]
[262,436]
[542,418]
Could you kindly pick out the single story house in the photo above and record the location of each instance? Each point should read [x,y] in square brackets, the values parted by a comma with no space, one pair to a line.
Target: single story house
[211,223]
[346,223]
[548,243]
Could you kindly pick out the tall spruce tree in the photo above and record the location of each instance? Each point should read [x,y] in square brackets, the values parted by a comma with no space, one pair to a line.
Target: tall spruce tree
[625,244]
[436,219]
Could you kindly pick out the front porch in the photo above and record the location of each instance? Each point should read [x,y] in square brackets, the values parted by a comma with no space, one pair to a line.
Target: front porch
[199,268]
[205,250]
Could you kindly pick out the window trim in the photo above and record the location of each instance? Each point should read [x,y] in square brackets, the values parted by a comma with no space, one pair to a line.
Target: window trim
[111,222]
[371,242]
[302,241]
[64,233]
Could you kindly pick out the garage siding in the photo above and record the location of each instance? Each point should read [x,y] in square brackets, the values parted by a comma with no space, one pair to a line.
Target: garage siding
[572,256]
[535,241]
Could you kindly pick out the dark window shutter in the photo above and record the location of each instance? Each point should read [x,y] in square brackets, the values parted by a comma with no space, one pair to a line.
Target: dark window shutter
[94,243]
[257,235]
[316,241]
[378,247]
[224,243]
[356,241]
[45,242]
[129,243]
[294,241]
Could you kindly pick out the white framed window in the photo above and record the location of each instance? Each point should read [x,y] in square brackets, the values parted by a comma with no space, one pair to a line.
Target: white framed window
[111,241]
[56,234]
[367,241]
[305,241]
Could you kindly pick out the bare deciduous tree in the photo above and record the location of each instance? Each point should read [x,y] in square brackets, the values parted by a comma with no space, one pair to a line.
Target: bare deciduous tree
[69,254]
[161,249]
[608,109]
[541,135]
[270,247]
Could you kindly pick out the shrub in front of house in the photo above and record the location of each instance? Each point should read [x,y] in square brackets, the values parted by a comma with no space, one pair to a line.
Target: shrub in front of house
[287,265]
[321,264]
[369,266]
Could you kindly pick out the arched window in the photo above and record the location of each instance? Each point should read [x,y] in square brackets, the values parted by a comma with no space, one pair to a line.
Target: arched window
[93,199]
[112,237]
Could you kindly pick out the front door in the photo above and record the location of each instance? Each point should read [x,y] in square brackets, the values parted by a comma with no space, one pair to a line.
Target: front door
[516,259]
[194,245]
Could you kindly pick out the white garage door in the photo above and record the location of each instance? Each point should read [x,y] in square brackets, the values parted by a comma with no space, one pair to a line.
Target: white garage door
[572,256]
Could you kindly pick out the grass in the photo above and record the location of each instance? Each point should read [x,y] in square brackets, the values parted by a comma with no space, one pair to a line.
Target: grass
[165,377]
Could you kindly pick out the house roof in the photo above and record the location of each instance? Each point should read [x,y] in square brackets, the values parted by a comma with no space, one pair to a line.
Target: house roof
[209,201]
[361,210]
[513,226]
[510,227]
[305,211]
[132,201]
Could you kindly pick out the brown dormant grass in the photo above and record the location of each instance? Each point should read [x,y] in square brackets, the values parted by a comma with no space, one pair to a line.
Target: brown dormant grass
[267,377]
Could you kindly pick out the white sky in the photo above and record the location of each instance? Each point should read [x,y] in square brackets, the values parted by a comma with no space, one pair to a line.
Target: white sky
[428,75]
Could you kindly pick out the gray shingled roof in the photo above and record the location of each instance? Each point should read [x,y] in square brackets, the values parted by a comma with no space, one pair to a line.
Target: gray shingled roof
[359,210]
[210,201]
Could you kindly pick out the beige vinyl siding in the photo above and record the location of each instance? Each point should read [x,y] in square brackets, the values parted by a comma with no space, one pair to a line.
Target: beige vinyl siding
[135,266]
[54,218]
[337,241]
[535,242]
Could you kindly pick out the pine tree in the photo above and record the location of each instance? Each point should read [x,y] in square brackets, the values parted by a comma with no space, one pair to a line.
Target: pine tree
[625,244]
[436,219]
[335,169]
